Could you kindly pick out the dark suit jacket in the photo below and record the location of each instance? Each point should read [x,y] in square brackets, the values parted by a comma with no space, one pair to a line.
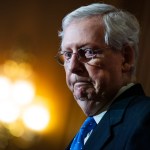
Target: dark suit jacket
[125,126]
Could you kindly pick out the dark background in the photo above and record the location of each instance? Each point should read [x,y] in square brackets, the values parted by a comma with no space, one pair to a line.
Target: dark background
[31,27]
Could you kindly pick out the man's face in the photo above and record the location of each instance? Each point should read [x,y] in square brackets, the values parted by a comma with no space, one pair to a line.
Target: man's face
[93,86]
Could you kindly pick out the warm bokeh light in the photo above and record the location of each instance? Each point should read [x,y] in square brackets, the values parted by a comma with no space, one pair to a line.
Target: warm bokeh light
[36,117]
[9,112]
[23,92]
[15,70]
[17,98]
[23,113]
[25,70]
[16,128]
[4,88]
[10,68]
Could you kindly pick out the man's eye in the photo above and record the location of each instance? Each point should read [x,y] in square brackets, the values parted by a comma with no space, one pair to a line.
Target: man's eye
[89,53]
[67,55]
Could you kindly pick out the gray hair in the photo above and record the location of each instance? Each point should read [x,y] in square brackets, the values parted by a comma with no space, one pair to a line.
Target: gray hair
[120,27]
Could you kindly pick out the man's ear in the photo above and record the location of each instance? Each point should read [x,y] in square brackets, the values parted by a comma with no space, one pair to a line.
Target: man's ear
[128,58]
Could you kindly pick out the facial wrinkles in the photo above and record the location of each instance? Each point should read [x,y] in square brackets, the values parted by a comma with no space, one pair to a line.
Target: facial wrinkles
[82,87]
[94,84]
[96,88]
[93,91]
[100,76]
[78,79]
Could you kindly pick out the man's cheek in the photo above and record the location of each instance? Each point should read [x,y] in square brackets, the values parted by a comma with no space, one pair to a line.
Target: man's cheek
[69,84]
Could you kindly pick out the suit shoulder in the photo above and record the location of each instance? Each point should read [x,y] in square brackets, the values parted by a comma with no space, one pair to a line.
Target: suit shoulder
[140,106]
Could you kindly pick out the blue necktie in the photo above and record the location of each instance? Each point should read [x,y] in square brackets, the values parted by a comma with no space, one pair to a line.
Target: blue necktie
[78,141]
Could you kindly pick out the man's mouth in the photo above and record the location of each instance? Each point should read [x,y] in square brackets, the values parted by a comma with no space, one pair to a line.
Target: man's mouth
[84,91]
[82,84]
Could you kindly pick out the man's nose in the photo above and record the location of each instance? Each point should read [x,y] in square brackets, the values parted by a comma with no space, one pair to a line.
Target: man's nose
[75,66]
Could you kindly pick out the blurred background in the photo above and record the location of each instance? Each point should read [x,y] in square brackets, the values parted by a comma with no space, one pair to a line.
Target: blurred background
[37,111]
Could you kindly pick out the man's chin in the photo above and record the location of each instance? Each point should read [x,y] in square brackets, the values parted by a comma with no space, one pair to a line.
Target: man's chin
[81,98]
[89,111]
[85,95]
[89,107]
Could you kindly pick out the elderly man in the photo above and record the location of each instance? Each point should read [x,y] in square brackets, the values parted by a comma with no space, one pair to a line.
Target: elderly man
[99,51]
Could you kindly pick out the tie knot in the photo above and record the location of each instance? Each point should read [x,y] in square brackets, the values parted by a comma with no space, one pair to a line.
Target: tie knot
[88,122]
[88,125]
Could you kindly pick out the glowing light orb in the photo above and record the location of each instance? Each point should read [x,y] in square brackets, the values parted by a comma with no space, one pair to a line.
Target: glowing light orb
[36,117]
[8,112]
[5,87]
[23,92]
